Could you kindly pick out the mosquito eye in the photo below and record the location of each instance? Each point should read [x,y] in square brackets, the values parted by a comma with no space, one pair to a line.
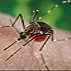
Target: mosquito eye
[22,36]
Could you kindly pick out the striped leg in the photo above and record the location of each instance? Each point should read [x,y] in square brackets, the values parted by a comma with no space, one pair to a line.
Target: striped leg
[20,15]
[63,2]
[12,44]
[32,17]
[34,14]
[45,63]
[60,39]
[18,49]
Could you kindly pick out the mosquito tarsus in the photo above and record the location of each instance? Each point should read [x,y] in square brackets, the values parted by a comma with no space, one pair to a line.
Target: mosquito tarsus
[35,30]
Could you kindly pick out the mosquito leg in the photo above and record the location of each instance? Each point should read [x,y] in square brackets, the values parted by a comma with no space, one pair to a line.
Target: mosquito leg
[18,49]
[22,20]
[13,54]
[12,44]
[23,45]
[41,51]
[37,14]
[14,27]
[29,40]
[63,2]
[42,48]
[39,36]
[60,39]
[34,14]
[44,61]
[36,35]
[31,19]
[45,42]
[20,15]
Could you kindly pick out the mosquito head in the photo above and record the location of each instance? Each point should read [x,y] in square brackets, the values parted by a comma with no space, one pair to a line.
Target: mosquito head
[22,35]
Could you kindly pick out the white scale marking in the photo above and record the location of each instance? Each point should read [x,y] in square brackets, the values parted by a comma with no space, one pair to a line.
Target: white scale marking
[33,11]
[17,40]
[69,1]
[37,10]
[66,39]
[40,17]
[49,11]
[54,40]
[10,25]
[56,5]
[64,1]
[0,26]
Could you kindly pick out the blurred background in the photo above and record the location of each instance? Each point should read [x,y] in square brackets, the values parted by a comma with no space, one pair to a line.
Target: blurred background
[60,17]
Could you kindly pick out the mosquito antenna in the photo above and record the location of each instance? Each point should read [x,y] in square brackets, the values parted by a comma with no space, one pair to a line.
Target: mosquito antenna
[63,2]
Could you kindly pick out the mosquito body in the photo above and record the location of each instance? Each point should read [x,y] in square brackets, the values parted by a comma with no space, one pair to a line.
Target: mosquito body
[36,28]
[37,31]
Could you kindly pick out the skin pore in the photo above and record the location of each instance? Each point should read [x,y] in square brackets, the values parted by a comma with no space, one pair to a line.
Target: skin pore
[56,54]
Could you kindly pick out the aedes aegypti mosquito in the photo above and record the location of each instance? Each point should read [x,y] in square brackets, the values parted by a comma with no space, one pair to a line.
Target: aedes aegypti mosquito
[36,30]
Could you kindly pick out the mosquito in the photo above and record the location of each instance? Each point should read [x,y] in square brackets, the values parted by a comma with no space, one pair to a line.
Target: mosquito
[36,31]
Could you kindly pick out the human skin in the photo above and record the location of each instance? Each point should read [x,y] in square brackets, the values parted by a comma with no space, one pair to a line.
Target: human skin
[56,54]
